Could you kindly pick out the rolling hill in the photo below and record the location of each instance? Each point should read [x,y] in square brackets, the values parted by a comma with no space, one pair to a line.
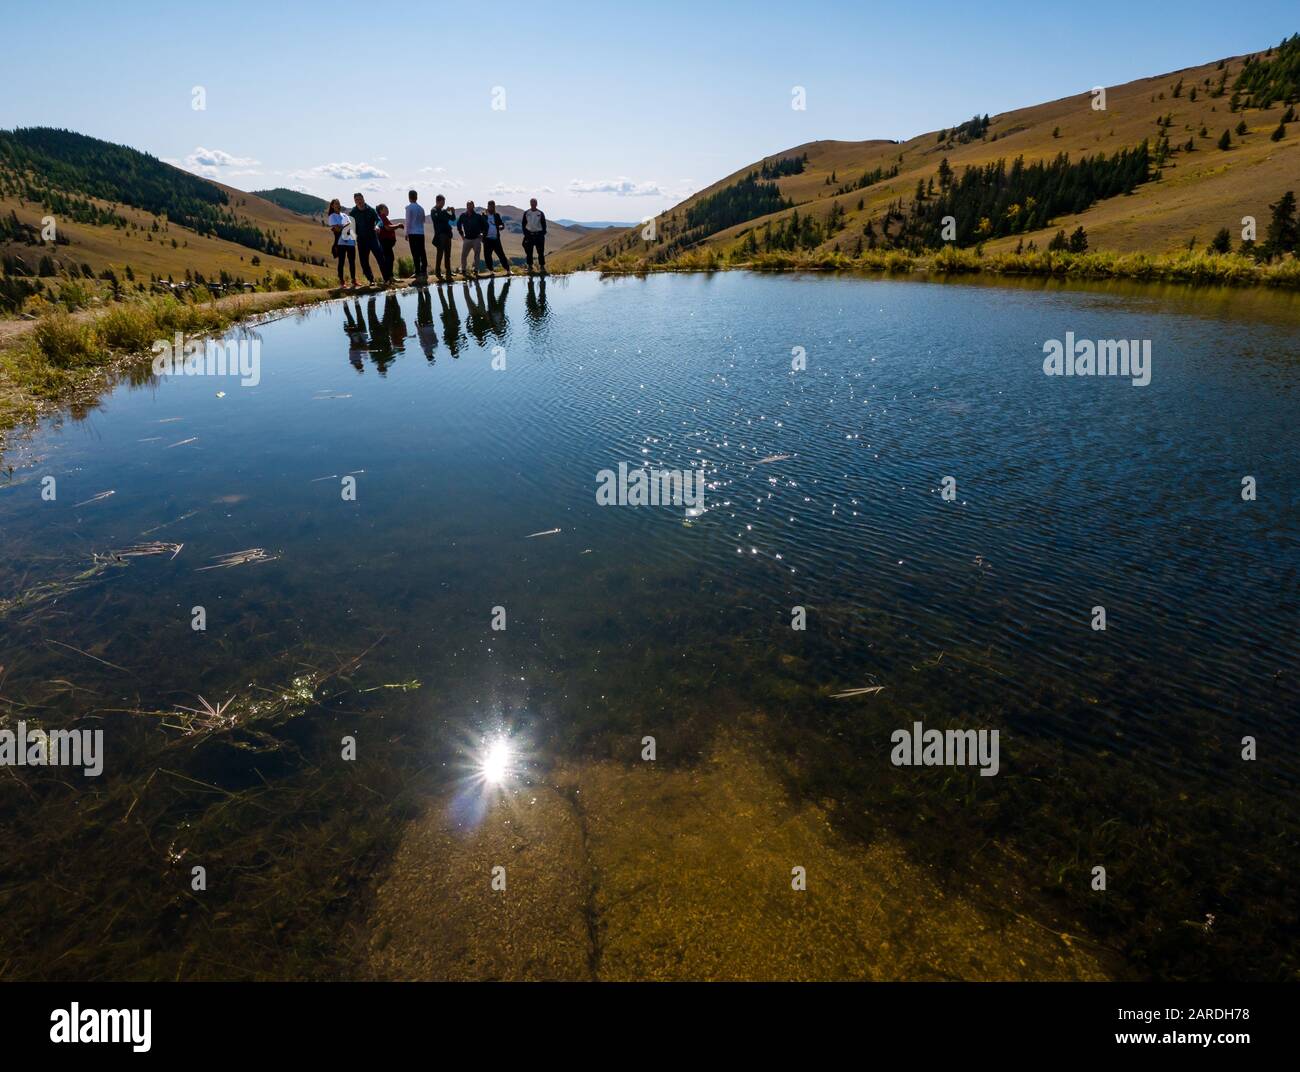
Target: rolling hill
[850,195]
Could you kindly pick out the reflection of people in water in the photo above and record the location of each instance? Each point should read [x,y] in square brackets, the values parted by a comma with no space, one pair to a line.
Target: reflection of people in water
[535,304]
[496,309]
[451,333]
[424,324]
[479,324]
[355,329]
[387,336]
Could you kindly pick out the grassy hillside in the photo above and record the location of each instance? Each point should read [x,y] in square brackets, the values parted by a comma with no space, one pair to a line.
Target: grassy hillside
[852,197]
[122,214]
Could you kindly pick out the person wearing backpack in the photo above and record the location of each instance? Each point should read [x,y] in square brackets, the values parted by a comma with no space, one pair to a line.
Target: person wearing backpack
[492,239]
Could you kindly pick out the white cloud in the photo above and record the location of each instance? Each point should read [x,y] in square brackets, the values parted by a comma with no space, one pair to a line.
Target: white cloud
[440,179]
[344,172]
[211,163]
[504,189]
[620,187]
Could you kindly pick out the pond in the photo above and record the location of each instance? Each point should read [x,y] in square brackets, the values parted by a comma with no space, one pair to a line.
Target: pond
[394,537]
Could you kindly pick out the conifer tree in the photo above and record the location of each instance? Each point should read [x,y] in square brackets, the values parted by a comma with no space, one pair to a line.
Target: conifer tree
[1283,235]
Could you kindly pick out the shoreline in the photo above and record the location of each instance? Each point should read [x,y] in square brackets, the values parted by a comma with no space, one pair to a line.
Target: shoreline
[1187,268]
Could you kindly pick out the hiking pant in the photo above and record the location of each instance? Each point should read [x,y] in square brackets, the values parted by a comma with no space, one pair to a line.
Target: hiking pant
[535,242]
[368,246]
[350,254]
[387,249]
[442,255]
[418,258]
[491,246]
[466,245]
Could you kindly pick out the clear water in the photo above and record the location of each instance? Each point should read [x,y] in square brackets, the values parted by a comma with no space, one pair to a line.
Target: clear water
[1120,747]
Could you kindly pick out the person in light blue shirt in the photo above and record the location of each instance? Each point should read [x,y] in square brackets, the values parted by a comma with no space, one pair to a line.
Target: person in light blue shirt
[415,235]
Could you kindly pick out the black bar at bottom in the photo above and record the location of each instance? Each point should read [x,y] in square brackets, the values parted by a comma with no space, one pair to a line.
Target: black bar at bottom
[337,1021]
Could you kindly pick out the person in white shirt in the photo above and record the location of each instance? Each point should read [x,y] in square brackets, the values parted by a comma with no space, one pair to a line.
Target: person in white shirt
[345,239]
[415,235]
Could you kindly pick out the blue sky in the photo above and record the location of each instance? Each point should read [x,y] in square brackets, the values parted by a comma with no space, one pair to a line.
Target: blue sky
[613,111]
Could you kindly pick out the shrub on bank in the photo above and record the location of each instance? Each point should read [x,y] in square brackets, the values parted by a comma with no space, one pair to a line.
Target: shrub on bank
[128,327]
[64,341]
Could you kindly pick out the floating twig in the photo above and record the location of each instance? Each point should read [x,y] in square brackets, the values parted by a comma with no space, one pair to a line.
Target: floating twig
[153,547]
[167,524]
[239,558]
[95,498]
[88,655]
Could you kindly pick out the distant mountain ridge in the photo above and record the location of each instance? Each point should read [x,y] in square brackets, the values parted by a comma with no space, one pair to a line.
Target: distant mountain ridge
[595,225]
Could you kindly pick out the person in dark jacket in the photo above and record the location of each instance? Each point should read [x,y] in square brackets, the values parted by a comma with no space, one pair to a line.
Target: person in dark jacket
[444,221]
[366,220]
[387,232]
[535,235]
[471,227]
[492,239]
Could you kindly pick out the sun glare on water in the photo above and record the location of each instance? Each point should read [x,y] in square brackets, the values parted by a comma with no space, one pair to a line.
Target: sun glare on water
[496,762]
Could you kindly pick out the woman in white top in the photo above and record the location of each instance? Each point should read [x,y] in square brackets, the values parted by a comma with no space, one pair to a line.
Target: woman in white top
[345,239]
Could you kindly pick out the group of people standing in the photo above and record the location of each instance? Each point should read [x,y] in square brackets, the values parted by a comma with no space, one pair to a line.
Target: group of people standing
[368,232]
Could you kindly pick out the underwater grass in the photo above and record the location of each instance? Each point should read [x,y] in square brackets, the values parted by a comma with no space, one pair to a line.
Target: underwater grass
[96,878]
[1198,883]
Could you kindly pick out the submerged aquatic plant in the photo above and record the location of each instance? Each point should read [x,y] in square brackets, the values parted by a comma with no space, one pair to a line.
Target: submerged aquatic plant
[142,550]
[205,718]
[239,558]
[50,590]
[866,690]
